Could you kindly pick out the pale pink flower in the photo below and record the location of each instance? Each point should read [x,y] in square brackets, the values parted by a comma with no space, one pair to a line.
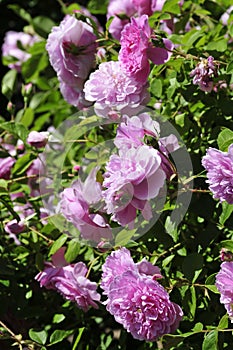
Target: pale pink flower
[70,281]
[131,179]
[112,90]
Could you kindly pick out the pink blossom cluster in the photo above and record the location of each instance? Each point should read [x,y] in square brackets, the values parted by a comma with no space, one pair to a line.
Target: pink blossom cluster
[133,176]
[124,83]
[21,206]
[136,299]
[204,73]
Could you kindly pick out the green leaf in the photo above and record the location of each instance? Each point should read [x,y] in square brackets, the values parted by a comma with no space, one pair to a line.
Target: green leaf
[77,340]
[17,129]
[33,66]
[190,301]
[124,236]
[37,48]
[220,45]
[3,186]
[58,335]
[198,327]
[210,341]
[38,337]
[71,8]
[156,87]
[212,288]
[98,7]
[42,25]
[192,36]
[167,260]
[58,244]
[171,229]
[72,250]
[210,279]
[227,210]
[225,139]
[9,83]
[23,163]
[226,244]
[229,68]
[20,12]
[26,118]
[58,318]
[171,6]
[223,323]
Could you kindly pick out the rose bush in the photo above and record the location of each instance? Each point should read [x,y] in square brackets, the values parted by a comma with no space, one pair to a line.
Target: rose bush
[116,175]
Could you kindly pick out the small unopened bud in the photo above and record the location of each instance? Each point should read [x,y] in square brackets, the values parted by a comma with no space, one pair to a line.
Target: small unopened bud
[10,107]
[76,168]
[26,90]
[38,139]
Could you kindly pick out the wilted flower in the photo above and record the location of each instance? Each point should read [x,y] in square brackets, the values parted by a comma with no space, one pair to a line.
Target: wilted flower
[137,49]
[112,90]
[219,166]
[77,203]
[71,47]
[16,45]
[224,283]
[14,226]
[168,145]
[226,255]
[37,139]
[204,73]
[69,280]
[131,179]
[6,165]
[136,299]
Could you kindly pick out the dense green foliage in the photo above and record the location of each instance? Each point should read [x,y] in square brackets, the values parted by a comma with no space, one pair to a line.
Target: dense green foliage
[188,255]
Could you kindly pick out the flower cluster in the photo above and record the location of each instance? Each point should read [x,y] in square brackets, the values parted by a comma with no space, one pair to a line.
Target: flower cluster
[133,176]
[219,166]
[136,299]
[70,281]
[224,283]
[20,205]
[204,73]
